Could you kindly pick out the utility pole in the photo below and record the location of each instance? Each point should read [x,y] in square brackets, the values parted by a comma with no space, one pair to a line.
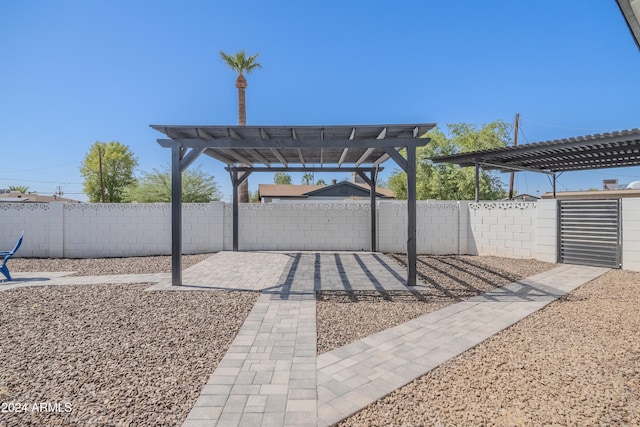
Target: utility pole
[101,179]
[515,143]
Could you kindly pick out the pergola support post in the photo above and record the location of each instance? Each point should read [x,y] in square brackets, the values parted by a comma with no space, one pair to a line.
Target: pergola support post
[372,182]
[477,182]
[235,182]
[176,216]
[411,216]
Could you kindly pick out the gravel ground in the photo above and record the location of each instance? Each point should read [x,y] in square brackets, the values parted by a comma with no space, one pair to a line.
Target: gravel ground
[103,266]
[576,362]
[123,356]
[119,355]
[345,317]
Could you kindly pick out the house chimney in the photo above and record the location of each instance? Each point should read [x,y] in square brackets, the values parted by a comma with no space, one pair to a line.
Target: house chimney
[334,181]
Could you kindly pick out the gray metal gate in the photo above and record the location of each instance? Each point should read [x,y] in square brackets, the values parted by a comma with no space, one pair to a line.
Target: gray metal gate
[589,233]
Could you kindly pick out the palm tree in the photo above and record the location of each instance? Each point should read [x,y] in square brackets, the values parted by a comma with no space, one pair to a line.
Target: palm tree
[241,63]
[19,188]
[307,179]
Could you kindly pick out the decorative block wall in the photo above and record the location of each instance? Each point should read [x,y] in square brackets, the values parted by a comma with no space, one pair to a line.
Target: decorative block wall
[506,229]
[509,229]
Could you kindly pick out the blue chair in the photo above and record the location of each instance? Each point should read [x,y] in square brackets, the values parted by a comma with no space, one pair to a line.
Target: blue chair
[6,255]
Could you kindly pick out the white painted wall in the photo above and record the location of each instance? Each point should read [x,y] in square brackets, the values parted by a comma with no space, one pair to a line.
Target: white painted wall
[510,229]
[631,234]
[547,230]
[506,229]
[85,230]
[437,227]
[300,226]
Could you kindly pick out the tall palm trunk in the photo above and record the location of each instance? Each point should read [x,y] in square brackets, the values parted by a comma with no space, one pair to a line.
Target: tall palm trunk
[241,84]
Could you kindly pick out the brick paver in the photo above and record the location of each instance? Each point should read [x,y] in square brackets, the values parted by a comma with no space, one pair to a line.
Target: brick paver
[356,375]
[270,376]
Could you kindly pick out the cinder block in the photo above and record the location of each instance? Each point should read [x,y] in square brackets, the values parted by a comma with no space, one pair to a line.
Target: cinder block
[631,262]
[497,228]
[513,244]
[522,220]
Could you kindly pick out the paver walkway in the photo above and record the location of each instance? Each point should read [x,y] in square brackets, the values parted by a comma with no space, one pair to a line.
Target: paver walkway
[358,374]
[270,376]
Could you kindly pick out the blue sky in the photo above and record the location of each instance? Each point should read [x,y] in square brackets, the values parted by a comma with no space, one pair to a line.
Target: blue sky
[77,72]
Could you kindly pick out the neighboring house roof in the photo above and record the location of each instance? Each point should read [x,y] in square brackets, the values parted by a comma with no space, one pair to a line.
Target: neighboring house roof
[14,197]
[286,190]
[525,197]
[304,191]
[362,189]
[593,195]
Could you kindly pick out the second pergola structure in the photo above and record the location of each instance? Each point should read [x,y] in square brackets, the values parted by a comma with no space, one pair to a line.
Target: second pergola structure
[360,149]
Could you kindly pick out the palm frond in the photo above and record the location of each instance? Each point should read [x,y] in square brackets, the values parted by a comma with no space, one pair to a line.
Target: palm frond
[240,62]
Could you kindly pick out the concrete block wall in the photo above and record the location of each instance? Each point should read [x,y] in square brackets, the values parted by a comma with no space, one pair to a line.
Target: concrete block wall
[510,229]
[547,230]
[507,229]
[631,234]
[342,226]
[84,230]
[39,221]
[437,227]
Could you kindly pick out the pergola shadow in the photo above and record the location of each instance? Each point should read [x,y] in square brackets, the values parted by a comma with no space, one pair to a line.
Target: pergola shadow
[347,272]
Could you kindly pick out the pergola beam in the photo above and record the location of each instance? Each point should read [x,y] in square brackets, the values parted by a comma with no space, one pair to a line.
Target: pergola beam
[239,158]
[364,156]
[218,156]
[189,158]
[516,168]
[302,169]
[397,157]
[343,156]
[293,144]
[279,156]
[258,156]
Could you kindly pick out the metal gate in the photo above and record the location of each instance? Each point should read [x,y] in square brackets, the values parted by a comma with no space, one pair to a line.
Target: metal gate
[589,233]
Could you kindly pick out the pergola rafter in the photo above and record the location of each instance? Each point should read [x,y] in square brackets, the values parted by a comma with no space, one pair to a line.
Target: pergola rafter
[360,149]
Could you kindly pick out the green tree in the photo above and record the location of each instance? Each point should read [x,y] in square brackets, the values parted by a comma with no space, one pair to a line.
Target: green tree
[307,179]
[155,186]
[448,181]
[254,197]
[19,188]
[282,178]
[321,182]
[241,63]
[108,168]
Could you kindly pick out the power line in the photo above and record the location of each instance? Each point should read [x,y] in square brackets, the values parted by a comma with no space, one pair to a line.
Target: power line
[45,182]
[44,167]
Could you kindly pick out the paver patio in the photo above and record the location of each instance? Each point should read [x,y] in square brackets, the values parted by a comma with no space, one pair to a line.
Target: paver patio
[271,376]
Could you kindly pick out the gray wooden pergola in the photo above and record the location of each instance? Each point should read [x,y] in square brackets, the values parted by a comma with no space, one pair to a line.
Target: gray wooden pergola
[600,151]
[360,149]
